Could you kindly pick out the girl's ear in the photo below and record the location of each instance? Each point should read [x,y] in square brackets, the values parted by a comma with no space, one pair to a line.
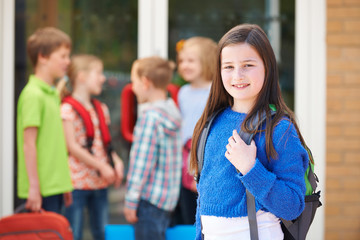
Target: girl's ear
[81,76]
[146,81]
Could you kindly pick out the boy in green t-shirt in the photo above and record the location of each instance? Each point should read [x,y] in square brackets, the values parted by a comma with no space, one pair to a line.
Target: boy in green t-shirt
[43,171]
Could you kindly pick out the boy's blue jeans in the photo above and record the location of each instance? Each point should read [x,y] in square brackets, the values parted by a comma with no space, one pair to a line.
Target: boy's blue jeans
[52,203]
[96,202]
[152,222]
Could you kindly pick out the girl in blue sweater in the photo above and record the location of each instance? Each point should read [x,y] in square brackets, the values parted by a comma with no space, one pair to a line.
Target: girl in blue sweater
[272,167]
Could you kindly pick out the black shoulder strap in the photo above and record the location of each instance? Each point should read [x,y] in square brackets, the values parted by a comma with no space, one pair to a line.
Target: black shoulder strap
[245,136]
[202,141]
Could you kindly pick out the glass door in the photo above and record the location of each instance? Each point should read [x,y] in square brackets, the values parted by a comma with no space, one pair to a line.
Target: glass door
[107,29]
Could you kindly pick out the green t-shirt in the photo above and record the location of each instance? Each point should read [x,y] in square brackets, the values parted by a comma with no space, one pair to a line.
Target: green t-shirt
[39,106]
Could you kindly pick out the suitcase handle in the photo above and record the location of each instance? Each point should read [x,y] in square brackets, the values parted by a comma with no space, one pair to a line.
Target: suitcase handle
[21,209]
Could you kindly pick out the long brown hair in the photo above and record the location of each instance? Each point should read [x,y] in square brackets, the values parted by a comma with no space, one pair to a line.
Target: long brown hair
[269,94]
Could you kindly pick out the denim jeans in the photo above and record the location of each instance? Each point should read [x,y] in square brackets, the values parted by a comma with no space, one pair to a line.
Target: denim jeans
[96,202]
[152,222]
[53,203]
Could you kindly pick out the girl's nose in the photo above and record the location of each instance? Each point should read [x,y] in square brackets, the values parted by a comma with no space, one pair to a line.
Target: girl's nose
[182,65]
[68,61]
[239,74]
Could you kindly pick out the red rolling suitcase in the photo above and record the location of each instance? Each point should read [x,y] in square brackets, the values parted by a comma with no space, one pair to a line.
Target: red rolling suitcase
[35,226]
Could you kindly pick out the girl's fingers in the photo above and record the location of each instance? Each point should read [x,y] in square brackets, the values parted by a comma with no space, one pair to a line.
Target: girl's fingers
[228,147]
[227,154]
[236,136]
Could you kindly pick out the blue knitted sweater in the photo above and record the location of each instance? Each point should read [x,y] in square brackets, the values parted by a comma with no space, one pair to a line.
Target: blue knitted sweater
[278,185]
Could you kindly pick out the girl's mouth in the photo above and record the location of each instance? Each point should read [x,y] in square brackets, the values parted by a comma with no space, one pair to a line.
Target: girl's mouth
[242,85]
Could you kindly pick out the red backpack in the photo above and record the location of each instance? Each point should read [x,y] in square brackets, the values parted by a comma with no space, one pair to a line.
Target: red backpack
[35,226]
[89,126]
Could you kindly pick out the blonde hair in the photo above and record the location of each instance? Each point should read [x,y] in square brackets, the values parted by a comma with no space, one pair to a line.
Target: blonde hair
[79,63]
[206,52]
[45,41]
[158,70]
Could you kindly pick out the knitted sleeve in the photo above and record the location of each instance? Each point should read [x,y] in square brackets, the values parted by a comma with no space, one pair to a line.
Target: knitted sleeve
[280,187]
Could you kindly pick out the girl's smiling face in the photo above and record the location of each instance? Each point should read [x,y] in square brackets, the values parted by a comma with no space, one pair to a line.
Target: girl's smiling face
[189,65]
[242,74]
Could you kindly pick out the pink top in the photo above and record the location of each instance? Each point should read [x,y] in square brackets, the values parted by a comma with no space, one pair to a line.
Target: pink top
[187,179]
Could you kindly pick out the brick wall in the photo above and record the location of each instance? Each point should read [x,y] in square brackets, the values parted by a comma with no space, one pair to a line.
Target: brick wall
[342,212]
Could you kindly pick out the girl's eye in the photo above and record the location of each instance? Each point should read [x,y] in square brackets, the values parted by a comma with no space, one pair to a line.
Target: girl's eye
[248,65]
[228,67]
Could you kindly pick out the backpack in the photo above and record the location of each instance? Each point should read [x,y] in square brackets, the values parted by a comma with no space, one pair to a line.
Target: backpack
[89,127]
[35,225]
[295,229]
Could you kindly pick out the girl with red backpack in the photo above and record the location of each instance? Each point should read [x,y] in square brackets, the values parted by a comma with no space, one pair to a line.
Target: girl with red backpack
[93,163]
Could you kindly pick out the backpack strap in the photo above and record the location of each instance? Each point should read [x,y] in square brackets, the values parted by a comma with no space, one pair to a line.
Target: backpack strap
[202,142]
[250,199]
[104,129]
[313,179]
[86,118]
[251,209]
[89,126]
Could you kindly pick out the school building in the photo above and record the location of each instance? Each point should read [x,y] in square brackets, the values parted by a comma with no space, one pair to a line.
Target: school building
[317,44]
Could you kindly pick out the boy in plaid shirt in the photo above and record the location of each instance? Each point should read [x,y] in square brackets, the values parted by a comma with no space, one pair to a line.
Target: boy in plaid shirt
[154,177]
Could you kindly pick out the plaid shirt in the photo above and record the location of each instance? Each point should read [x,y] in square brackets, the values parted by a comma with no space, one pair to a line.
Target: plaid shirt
[155,157]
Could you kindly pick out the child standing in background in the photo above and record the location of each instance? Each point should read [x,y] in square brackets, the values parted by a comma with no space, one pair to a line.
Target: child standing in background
[91,171]
[196,65]
[43,171]
[271,168]
[154,177]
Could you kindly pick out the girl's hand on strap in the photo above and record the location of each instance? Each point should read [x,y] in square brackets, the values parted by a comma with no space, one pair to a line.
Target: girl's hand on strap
[241,155]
